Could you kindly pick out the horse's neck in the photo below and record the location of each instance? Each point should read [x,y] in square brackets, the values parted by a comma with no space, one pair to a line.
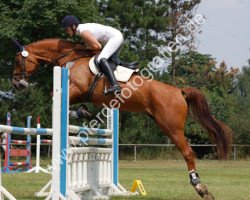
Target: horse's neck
[50,49]
[60,52]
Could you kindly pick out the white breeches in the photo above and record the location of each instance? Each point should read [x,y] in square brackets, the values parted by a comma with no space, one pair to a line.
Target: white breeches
[113,44]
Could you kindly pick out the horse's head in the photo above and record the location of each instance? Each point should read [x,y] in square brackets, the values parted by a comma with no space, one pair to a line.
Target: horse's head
[55,51]
[26,64]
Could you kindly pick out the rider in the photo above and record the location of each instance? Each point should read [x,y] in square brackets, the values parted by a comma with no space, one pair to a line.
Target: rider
[93,35]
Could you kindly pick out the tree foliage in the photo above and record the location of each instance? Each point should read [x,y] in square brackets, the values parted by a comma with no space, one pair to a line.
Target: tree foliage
[29,21]
[240,117]
[142,23]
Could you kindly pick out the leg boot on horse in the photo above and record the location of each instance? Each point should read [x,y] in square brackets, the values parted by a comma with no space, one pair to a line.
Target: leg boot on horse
[83,113]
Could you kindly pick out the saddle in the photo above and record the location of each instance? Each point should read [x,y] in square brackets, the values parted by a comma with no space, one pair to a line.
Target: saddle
[122,73]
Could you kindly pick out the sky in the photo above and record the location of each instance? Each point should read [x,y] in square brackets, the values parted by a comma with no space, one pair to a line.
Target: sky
[226,32]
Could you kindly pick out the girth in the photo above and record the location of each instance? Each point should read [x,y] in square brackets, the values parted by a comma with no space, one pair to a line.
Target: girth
[92,86]
[97,78]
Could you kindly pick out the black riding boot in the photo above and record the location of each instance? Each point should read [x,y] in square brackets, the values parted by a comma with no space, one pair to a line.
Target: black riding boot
[115,87]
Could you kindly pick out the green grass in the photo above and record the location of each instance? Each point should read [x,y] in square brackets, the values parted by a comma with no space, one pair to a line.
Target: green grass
[162,180]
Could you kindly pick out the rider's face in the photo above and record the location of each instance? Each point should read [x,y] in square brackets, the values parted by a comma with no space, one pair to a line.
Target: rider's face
[69,31]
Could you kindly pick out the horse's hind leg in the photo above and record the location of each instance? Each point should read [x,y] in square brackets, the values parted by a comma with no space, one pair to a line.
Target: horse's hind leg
[181,143]
[174,128]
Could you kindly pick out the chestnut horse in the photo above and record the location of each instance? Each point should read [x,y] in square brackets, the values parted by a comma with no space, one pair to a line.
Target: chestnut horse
[166,104]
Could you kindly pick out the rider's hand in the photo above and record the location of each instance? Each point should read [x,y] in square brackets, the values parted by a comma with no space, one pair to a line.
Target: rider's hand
[80,46]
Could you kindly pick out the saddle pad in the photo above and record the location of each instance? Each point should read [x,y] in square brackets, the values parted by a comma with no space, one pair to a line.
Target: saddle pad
[122,74]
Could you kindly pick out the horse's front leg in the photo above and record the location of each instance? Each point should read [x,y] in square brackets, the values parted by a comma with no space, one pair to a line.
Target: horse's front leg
[76,96]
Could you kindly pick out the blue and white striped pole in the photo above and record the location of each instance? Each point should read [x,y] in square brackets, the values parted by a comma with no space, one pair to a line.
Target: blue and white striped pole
[115,128]
[25,131]
[64,130]
[113,124]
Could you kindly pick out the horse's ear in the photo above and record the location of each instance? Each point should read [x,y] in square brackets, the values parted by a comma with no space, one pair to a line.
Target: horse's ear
[17,44]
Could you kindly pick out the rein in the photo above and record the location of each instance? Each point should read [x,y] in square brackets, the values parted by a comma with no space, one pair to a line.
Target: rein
[34,59]
[54,62]
[62,56]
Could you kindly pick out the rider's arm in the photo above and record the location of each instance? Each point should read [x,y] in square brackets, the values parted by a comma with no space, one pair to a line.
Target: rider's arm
[90,41]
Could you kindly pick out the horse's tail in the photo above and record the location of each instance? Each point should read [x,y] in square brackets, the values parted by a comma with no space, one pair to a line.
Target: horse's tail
[219,133]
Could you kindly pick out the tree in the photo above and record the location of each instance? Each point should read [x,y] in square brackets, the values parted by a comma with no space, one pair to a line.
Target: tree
[241,115]
[200,71]
[181,32]
[142,23]
[29,21]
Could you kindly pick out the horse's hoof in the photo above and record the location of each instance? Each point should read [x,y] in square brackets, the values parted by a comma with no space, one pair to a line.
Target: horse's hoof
[203,192]
[208,196]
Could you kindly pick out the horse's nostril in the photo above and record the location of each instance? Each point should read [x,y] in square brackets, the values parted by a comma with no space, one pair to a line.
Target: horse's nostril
[16,86]
[15,83]
[21,87]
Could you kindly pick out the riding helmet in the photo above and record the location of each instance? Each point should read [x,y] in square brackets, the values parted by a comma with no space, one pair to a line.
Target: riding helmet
[70,20]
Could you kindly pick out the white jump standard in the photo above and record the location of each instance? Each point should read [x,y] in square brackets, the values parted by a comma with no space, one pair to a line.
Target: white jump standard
[85,172]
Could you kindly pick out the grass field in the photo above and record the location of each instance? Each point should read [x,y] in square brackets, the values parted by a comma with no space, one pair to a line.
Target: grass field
[163,180]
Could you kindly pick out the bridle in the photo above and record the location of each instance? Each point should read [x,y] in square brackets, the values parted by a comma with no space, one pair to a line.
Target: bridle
[21,77]
[26,58]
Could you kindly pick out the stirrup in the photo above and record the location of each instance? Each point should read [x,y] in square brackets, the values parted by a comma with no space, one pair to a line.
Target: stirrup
[113,89]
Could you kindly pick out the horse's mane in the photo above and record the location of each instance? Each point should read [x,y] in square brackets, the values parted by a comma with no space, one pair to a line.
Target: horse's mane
[51,40]
[52,43]
[56,45]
